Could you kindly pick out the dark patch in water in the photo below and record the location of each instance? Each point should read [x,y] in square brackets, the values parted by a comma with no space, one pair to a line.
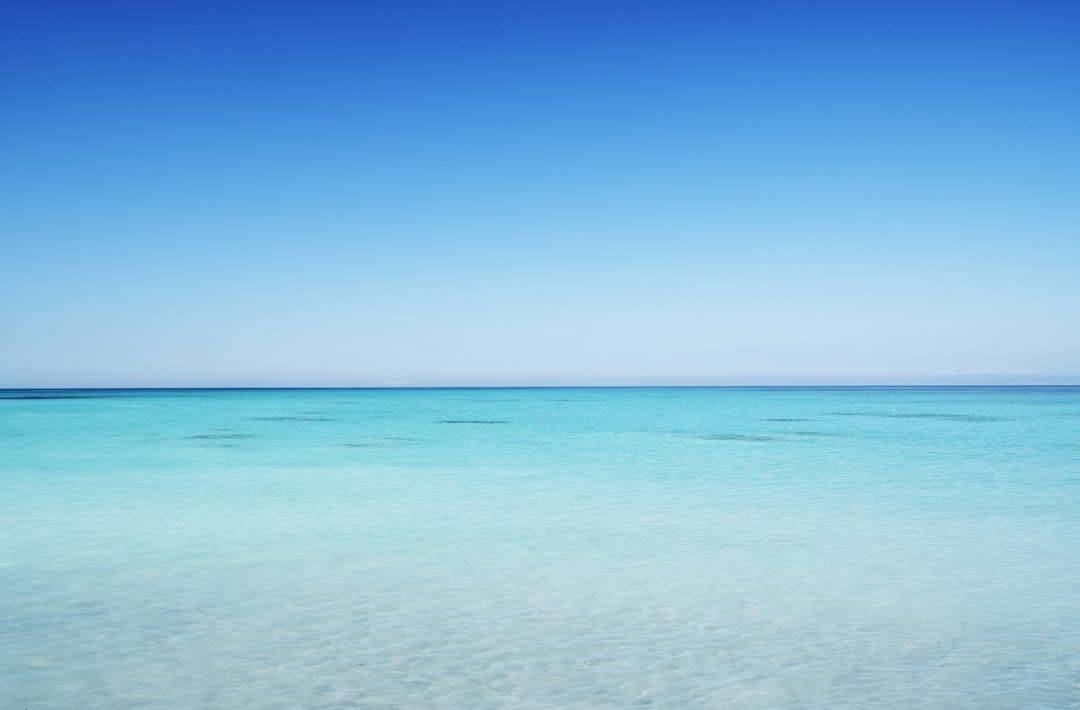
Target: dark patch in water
[786,419]
[475,421]
[736,437]
[291,419]
[949,417]
[943,417]
[220,436]
[812,433]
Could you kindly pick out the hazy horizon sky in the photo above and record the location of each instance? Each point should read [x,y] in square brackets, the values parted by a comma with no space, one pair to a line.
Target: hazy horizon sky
[387,193]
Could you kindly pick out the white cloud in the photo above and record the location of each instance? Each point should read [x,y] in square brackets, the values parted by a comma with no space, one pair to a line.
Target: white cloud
[990,371]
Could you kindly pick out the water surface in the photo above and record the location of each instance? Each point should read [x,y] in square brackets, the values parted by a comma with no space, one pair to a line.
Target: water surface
[541,548]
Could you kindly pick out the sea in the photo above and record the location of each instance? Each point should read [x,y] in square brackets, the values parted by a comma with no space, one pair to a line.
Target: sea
[726,547]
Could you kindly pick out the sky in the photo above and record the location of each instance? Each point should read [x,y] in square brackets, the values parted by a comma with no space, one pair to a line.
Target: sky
[526,193]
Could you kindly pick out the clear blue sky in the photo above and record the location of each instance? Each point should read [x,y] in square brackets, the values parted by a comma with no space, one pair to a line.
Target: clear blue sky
[364,193]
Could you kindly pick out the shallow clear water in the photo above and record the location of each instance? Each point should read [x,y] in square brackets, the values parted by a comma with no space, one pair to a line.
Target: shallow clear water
[541,548]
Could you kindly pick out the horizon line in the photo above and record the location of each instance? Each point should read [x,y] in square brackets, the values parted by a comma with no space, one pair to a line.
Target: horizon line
[526,387]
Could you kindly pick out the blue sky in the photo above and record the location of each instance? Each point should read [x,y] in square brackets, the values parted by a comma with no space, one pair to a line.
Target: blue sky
[366,193]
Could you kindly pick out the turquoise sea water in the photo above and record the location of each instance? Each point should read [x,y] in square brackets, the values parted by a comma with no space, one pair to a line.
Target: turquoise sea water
[541,548]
